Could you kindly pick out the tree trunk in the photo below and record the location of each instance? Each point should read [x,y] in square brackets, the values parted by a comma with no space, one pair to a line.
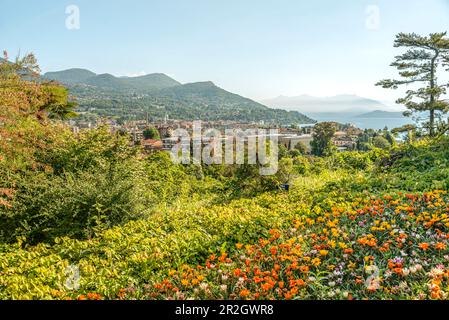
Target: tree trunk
[432,96]
[432,123]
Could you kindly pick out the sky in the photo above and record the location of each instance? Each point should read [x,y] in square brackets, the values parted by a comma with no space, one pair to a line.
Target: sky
[257,48]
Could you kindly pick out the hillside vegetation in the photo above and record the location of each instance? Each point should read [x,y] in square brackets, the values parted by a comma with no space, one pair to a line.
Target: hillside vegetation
[87,216]
[158,95]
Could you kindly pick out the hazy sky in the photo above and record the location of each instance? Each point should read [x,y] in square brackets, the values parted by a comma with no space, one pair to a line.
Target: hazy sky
[256,48]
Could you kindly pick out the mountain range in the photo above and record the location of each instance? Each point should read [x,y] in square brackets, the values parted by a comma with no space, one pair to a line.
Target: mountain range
[157,95]
[379,114]
[145,83]
[336,104]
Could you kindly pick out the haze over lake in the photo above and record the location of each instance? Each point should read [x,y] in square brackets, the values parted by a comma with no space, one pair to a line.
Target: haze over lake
[362,122]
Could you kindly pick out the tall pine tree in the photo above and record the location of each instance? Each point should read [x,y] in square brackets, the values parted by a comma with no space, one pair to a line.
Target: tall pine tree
[419,66]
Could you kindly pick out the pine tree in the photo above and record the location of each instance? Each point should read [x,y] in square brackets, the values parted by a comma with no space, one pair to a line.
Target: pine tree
[420,65]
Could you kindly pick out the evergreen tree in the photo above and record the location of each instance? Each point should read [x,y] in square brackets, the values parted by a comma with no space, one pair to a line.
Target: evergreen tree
[420,65]
[322,138]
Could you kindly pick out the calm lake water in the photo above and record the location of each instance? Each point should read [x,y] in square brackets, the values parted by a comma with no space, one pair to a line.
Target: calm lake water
[363,123]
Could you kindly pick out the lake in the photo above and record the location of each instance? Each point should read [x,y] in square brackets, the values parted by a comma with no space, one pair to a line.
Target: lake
[362,123]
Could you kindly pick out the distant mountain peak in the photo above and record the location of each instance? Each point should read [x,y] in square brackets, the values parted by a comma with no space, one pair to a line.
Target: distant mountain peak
[202,83]
[70,76]
[105,75]
[149,82]
[381,114]
[339,103]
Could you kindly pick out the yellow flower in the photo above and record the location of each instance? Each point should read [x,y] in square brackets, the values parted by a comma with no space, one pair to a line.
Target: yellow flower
[342,245]
[185,282]
[316,262]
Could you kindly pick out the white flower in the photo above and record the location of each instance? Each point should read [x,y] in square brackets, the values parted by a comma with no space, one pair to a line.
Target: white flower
[403,285]
[180,295]
[224,288]
[436,272]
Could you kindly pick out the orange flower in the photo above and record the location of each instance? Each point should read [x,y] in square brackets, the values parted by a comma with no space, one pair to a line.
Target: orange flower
[185,282]
[237,272]
[266,286]
[244,293]
[239,246]
[300,283]
[222,257]
[348,251]
[440,246]
[304,269]
[435,295]
[93,296]
[398,271]
[424,246]
[258,279]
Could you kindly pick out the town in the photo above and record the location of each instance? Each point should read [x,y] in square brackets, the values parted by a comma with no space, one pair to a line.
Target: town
[158,135]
